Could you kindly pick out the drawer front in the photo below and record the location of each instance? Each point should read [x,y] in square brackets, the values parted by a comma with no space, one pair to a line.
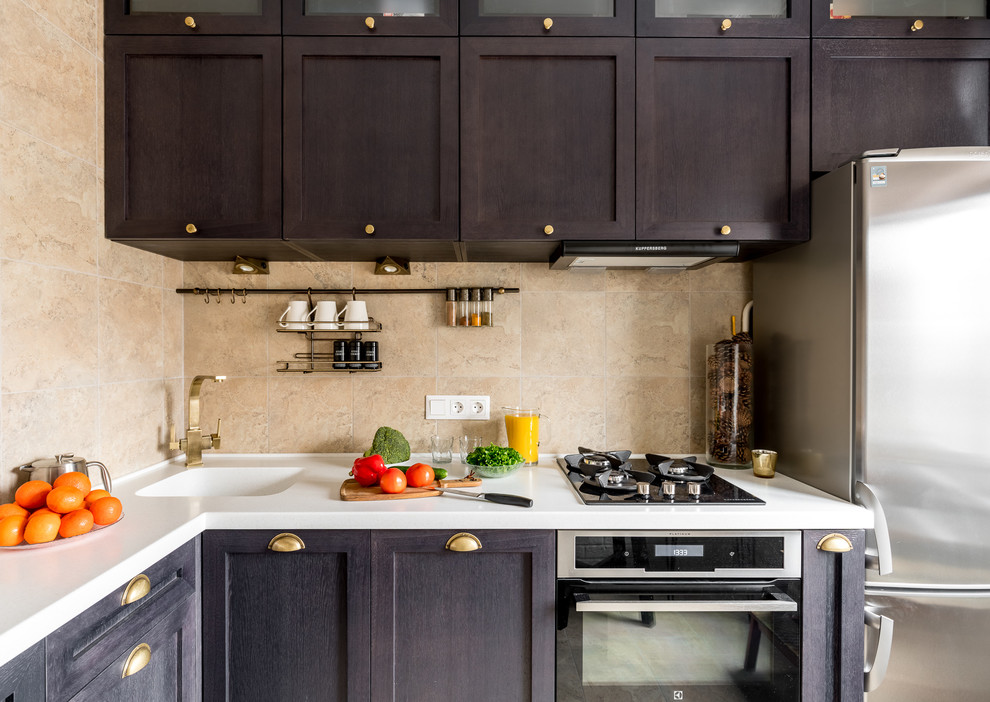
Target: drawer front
[82,648]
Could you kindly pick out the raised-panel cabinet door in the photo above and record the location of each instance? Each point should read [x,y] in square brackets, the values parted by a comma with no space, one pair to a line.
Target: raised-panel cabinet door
[192,17]
[896,19]
[548,18]
[727,18]
[454,625]
[371,138]
[879,94]
[370,17]
[722,139]
[547,148]
[192,137]
[286,624]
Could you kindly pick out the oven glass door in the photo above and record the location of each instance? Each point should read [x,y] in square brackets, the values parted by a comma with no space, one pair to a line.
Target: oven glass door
[700,641]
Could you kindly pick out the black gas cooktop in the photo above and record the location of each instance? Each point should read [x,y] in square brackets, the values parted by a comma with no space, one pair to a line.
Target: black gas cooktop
[652,481]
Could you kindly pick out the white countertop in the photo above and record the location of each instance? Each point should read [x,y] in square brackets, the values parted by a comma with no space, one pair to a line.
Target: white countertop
[43,587]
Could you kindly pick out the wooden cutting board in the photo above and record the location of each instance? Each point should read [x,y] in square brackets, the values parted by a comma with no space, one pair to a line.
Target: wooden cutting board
[351,490]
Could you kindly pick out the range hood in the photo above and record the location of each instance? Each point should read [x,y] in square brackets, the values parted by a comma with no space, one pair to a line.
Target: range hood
[670,255]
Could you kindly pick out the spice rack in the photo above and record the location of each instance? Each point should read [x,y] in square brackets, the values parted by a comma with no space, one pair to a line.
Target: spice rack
[319,361]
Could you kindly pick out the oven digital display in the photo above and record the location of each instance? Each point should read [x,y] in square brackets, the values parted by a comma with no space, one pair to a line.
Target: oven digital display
[679,551]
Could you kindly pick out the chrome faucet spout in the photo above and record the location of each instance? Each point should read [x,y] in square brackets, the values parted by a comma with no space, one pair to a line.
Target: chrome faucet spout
[196,440]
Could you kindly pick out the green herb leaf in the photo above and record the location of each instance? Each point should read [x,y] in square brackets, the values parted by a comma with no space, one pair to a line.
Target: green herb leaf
[493,455]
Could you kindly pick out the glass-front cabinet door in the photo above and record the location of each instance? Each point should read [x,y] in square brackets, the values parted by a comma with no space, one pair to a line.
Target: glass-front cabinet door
[918,19]
[722,18]
[370,17]
[192,16]
[564,18]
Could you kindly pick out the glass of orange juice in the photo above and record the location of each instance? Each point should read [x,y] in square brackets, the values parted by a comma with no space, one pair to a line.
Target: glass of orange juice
[523,429]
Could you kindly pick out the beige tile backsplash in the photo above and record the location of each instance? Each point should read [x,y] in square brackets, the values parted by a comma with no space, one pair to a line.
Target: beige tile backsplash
[97,350]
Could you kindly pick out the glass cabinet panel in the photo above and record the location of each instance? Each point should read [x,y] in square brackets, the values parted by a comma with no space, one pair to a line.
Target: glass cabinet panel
[210,7]
[949,9]
[384,8]
[559,8]
[721,8]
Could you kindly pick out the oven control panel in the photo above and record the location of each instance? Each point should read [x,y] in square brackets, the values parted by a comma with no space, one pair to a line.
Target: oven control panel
[678,554]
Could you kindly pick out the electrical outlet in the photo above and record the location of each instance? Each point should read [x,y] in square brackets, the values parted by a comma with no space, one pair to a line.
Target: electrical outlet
[458,407]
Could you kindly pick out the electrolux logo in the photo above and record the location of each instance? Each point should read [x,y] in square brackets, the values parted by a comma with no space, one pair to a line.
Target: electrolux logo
[650,248]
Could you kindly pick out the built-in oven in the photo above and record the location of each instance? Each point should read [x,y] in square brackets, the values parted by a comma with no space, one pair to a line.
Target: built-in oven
[712,616]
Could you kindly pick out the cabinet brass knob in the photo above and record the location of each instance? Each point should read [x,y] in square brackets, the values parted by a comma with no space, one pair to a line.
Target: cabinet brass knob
[916,25]
[548,230]
[190,22]
[139,658]
[725,231]
[369,229]
[726,25]
[191,228]
[835,543]
[139,586]
[547,23]
[463,542]
[369,22]
[284,543]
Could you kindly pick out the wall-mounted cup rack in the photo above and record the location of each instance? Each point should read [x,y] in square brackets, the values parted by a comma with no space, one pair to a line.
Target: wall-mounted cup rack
[317,361]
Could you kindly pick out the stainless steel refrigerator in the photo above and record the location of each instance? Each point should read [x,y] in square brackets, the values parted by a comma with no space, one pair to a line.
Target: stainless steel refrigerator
[872,344]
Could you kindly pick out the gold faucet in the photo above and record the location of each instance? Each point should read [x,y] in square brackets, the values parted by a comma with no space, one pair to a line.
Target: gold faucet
[196,440]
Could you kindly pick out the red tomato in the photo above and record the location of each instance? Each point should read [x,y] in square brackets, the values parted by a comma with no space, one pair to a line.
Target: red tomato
[393,480]
[419,475]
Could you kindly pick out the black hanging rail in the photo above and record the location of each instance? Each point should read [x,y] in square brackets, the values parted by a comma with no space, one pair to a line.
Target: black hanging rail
[244,292]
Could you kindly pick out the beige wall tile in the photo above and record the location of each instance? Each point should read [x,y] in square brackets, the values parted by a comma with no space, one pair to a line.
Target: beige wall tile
[133,433]
[502,392]
[242,404]
[227,339]
[131,326]
[127,263]
[563,334]
[421,275]
[538,277]
[460,275]
[648,414]
[310,414]
[648,333]
[646,281]
[173,323]
[49,319]
[575,408]
[220,274]
[399,403]
[723,277]
[483,351]
[305,275]
[76,18]
[407,344]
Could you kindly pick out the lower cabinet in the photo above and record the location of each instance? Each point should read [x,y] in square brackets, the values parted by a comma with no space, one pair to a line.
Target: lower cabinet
[23,678]
[382,615]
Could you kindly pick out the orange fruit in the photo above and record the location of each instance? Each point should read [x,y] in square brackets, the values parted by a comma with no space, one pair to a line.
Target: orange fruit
[106,510]
[95,495]
[32,494]
[65,499]
[75,479]
[44,510]
[12,509]
[76,523]
[42,528]
[12,530]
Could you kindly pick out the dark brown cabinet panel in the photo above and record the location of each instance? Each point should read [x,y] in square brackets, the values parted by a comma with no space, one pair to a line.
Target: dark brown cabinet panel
[192,137]
[920,19]
[691,18]
[475,625]
[556,18]
[23,678]
[371,139]
[370,17]
[547,138]
[878,94]
[286,625]
[722,139]
[192,17]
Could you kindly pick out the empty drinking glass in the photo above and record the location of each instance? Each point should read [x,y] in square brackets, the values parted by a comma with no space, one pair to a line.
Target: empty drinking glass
[441,446]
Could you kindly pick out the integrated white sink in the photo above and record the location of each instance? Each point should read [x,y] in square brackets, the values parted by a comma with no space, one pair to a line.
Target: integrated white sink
[229,481]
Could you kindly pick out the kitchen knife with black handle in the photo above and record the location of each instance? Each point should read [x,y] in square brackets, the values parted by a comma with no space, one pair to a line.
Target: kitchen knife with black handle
[500,498]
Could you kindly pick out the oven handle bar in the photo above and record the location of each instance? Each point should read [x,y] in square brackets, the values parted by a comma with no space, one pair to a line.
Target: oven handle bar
[780,603]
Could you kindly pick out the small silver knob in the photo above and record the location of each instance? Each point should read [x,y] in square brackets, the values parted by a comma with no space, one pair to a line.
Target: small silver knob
[643,488]
[694,490]
[669,488]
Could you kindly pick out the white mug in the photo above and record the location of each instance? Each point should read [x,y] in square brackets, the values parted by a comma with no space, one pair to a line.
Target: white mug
[325,313]
[355,315]
[295,315]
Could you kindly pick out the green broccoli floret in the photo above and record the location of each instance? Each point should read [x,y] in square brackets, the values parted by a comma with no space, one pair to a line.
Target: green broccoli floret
[390,444]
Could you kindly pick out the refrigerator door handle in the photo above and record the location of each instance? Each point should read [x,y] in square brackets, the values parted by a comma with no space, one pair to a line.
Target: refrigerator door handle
[879,558]
[874,671]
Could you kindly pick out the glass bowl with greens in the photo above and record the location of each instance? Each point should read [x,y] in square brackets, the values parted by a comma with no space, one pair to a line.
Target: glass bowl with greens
[494,461]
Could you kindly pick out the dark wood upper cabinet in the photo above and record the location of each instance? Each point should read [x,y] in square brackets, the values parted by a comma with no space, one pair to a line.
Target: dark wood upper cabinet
[921,19]
[192,137]
[192,17]
[557,18]
[547,147]
[891,93]
[370,17]
[722,139]
[371,138]
[746,18]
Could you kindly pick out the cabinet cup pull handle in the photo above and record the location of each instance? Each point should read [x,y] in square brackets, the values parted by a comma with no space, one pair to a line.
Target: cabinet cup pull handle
[190,22]
[548,230]
[917,25]
[369,22]
[284,543]
[139,587]
[547,23]
[135,663]
[835,543]
[191,229]
[725,231]
[726,25]
[369,229]
[463,542]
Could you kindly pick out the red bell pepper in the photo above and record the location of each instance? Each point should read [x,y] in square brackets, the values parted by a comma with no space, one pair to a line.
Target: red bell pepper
[368,470]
